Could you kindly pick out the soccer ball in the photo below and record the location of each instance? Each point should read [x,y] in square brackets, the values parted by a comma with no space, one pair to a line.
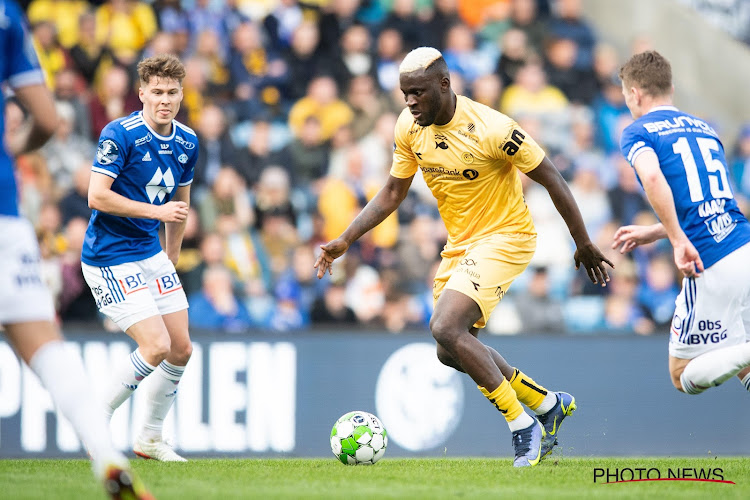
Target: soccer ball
[358,438]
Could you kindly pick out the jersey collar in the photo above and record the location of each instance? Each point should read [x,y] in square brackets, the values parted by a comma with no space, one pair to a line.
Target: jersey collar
[160,137]
[662,108]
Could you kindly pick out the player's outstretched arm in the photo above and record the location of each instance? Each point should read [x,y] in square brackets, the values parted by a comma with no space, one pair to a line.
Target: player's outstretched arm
[381,206]
[102,198]
[174,231]
[661,198]
[39,103]
[587,254]
[630,237]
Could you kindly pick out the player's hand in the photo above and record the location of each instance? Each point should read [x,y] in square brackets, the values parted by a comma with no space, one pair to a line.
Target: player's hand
[629,237]
[173,211]
[592,259]
[688,259]
[330,251]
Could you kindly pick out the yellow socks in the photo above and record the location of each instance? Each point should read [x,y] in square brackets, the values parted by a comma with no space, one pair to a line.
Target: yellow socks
[528,392]
[504,398]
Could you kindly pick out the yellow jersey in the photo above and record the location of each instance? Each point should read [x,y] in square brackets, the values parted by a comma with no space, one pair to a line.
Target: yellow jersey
[470,165]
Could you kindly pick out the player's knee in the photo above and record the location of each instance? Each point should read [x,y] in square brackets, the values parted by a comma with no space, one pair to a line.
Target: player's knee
[445,358]
[182,353]
[442,330]
[676,382]
[157,349]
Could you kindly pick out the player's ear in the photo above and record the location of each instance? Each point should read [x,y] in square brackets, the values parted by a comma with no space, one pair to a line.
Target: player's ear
[140,93]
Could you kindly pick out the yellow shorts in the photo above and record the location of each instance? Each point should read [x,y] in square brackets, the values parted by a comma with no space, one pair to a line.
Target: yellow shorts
[485,269]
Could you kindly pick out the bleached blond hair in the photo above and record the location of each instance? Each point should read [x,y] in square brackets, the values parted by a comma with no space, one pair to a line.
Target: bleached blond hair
[419,58]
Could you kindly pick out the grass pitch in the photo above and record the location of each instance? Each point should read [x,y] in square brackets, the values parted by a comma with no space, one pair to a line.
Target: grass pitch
[454,478]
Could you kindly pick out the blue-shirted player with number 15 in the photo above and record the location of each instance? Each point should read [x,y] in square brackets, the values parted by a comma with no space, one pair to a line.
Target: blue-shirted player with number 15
[680,162]
[141,176]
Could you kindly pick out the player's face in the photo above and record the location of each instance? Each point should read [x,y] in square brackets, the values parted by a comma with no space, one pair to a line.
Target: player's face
[422,96]
[161,99]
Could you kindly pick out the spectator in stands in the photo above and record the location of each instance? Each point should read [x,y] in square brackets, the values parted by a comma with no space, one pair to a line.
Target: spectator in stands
[356,57]
[462,56]
[66,150]
[578,85]
[62,14]
[216,306]
[439,19]
[403,18]
[569,23]
[281,23]
[331,308]
[626,197]
[228,196]
[487,90]
[210,254]
[216,150]
[125,26]
[257,154]
[531,94]
[390,51]
[524,17]
[89,52]
[538,310]
[75,298]
[322,101]
[70,90]
[51,55]
[309,154]
[367,104]
[208,50]
[114,98]
[75,203]
[514,51]
[258,74]
[657,292]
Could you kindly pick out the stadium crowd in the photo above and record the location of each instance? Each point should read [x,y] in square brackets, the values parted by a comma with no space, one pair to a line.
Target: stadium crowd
[294,104]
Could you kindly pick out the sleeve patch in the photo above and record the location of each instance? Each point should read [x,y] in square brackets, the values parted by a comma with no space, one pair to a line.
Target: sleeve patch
[107,152]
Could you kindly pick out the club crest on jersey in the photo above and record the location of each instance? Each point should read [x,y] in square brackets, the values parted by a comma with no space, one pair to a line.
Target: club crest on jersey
[160,185]
[440,142]
[183,158]
[107,152]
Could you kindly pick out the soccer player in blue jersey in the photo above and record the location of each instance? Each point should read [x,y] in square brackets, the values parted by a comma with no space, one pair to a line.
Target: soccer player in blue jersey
[680,162]
[26,309]
[141,176]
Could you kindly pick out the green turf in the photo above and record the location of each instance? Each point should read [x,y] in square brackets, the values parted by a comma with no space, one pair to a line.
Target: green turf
[470,478]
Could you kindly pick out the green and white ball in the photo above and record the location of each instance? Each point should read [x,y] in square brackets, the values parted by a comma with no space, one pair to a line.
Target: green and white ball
[358,438]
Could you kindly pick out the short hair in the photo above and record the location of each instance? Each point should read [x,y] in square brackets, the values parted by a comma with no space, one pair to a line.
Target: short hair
[161,66]
[419,58]
[649,71]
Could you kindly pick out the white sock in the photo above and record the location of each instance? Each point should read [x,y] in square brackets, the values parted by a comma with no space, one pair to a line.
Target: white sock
[714,368]
[550,400]
[60,369]
[125,379]
[520,422]
[746,381]
[161,395]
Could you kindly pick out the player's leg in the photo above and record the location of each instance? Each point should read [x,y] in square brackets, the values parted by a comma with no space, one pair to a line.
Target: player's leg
[454,314]
[550,407]
[162,391]
[166,290]
[27,312]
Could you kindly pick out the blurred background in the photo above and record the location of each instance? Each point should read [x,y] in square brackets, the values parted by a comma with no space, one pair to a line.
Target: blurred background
[294,103]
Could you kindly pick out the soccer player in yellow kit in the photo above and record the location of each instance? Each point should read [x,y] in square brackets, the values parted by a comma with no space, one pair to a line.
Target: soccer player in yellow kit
[469,155]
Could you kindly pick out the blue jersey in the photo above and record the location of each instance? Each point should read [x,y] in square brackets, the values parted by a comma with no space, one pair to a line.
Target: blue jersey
[146,167]
[692,160]
[20,68]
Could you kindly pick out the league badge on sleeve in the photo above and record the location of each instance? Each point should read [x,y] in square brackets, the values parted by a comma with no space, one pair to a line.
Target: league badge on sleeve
[107,152]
